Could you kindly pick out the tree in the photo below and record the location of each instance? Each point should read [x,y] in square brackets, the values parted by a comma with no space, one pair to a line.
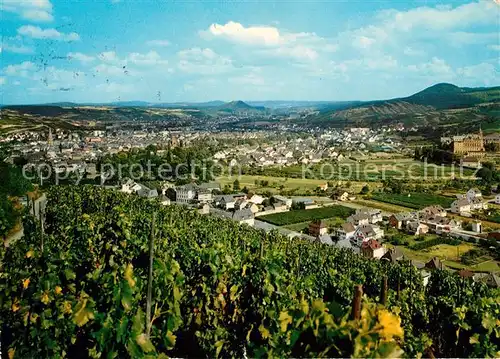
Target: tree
[365,189]
[236,185]
[485,174]
[492,147]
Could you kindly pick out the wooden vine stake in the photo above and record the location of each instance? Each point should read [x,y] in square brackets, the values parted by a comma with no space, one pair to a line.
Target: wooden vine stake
[383,293]
[150,275]
[40,219]
[399,290]
[356,302]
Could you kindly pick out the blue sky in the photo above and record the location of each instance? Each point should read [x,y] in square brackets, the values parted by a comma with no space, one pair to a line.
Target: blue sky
[158,50]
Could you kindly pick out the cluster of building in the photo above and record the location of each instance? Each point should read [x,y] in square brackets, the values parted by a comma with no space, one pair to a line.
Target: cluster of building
[469,202]
[330,145]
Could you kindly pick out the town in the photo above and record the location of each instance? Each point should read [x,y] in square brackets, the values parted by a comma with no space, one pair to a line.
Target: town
[268,186]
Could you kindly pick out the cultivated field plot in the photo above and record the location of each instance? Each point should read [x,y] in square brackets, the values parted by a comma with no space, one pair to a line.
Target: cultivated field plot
[304,215]
[414,200]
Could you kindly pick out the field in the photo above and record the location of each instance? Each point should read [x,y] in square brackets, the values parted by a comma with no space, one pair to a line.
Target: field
[330,222]
[365,169]
[301,185]
[414,200]
[304,215]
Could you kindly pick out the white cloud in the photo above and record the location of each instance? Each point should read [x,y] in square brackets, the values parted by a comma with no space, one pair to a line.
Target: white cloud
[442,17]
[459,38]
[23,69]
[435,67]
[257,35]
[483,73]
[203,61]
[36,32]
[3,80]
[158,43]
[16,49]
[33,10]
[297,52]
[494,47]
[148,59]
[109,57]
[110,70]
[301,45]
[80,57]
[363,42]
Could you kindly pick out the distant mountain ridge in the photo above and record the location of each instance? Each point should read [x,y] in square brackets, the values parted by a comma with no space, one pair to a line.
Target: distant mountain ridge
[442,96]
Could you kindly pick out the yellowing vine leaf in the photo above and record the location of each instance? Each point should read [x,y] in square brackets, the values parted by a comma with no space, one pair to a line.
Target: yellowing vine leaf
[128,275]
[144,343]
[82,314]
[284,319]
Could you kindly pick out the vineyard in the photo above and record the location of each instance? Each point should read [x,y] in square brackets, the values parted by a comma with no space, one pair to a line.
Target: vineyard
[110,275]
[303,215]
[414,200]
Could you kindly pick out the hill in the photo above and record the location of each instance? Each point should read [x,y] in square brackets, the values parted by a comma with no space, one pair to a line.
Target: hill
[431,105]
[237,106]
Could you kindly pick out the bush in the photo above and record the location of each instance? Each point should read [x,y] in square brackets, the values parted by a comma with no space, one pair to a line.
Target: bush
[434,242]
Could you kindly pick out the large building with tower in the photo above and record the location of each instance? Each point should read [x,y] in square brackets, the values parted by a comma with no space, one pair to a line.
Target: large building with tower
[470,144]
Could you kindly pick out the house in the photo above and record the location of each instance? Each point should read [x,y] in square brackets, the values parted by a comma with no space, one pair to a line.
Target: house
[399,220]
[91,170]
[203,195]
[435,263]
[477,204]
[439,225]
[253,207]
[477,227]
[417,228]
[165,200]
[366,232]
[470,162]
[473,193]
[460,206]
[318,228]
[375,215]
[306,202]
[393,255]
[323,187]
[130,186]
[346,231]
[186,193]
[434,211]
[340,195]
[240,203]
[203,208]
[372,249]
[492,280]
[256,199]
[227,202]
[325,239]
[285,200]
[359,219]
[147,192]
[210,186]
[244,216]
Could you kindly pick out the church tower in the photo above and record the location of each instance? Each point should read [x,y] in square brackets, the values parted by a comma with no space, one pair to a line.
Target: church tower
[50,140]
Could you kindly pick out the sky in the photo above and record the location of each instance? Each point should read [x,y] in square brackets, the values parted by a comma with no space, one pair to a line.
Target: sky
[172,51]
